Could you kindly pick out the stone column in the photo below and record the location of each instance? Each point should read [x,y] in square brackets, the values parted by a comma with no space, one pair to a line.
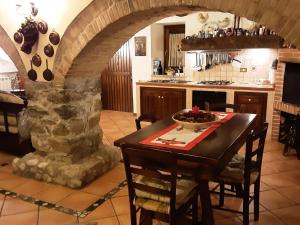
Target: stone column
[65,131]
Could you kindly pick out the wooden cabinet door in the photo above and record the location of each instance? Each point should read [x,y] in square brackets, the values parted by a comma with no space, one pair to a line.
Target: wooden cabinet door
[251,102]
[151,102]
[174,100]
[162,102]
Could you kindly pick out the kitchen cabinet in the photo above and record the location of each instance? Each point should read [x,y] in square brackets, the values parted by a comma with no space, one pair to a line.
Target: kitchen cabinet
[252,102]
[162,102]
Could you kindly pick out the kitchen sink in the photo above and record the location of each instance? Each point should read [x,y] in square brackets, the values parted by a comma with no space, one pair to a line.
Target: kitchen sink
[170,81]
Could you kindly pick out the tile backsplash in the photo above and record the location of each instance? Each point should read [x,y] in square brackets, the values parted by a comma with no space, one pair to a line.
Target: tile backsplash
[250,66]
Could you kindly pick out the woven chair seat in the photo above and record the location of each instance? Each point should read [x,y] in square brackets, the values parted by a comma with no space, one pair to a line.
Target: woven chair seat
[159,203]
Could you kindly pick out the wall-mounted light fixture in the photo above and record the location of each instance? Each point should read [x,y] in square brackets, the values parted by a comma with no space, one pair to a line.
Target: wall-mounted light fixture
[27,9]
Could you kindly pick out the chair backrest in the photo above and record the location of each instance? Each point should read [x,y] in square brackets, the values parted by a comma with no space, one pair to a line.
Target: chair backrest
[220,106]
[252,151]
[160,167]
[145,117]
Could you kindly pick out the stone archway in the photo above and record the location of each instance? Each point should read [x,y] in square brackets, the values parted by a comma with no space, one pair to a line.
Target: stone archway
[10,49]
[102,27]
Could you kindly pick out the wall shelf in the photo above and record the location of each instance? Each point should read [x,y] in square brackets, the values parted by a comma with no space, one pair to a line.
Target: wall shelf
[232,42]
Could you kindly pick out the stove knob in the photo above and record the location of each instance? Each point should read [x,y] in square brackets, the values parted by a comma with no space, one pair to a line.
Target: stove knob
[249,100]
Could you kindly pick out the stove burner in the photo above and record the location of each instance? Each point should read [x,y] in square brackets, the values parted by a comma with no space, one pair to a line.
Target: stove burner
[215,82]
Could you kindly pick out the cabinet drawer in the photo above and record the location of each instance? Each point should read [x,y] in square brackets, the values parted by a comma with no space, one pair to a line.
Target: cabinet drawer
[251,102]
[248,99]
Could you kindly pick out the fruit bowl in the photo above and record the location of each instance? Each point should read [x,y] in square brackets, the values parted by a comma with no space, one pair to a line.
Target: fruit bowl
[191,119]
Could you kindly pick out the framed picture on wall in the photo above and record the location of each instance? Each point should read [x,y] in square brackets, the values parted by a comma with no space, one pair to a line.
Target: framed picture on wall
[140,46]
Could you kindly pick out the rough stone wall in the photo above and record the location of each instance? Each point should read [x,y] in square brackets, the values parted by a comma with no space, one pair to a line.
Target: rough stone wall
[65,118]
[65,131]
[102,27]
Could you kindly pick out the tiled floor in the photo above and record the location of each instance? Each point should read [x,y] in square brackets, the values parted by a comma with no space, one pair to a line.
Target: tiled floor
[280,188]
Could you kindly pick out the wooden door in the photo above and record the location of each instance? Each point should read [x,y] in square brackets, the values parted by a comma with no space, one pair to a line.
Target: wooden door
[116,82]
[251,102]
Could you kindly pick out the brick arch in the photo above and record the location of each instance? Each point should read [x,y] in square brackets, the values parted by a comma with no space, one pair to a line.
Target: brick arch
[101,28]
[10,49]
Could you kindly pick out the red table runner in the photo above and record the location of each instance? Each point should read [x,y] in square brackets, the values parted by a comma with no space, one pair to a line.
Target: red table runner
[176,137]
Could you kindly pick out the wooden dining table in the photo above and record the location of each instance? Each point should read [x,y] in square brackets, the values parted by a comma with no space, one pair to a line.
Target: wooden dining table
[207,158]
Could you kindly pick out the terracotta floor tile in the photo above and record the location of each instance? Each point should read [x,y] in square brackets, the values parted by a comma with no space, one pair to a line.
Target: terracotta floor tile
[263,187]
[268,169]
[290,215]
[265,218]
[7,168]
[272,156]
[52,217]
[31,187]
[29,218]
[231,221]
[107,221]
[274,200]
[10,184]
[7,175]
[237,204]
[279,180]
[1,202]
[221,215]
[103,211]
[99,187]
[124,219]
[121,205]
[294,176]
[282,166]
[273,146]
[54,193]
[122,192]
[116,136]
[15,206]
[116,175]
[78,200]
[293,193]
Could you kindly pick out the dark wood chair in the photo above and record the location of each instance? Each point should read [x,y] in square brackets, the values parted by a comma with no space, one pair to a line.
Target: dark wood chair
[10,139]
[156,188]
[244,171]
[146,118]
[220,106]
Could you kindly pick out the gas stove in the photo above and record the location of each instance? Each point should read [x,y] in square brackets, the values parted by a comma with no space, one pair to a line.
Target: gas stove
[215,82]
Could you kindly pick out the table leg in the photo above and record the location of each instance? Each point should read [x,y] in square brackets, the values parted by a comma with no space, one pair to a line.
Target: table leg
[207,213]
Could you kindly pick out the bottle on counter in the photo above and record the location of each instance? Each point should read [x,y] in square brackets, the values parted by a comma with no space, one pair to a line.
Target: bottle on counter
[160,69]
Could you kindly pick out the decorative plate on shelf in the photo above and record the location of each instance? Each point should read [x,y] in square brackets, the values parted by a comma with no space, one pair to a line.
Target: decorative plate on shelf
[195,118]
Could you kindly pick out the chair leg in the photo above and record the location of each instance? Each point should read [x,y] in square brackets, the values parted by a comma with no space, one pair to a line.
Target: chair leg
[133,215]
[256,199]
[222,193]
[195,210]
[239,190]
[246,205]
[145,217]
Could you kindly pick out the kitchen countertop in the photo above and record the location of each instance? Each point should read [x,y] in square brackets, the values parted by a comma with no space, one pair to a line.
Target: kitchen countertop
[193,84]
